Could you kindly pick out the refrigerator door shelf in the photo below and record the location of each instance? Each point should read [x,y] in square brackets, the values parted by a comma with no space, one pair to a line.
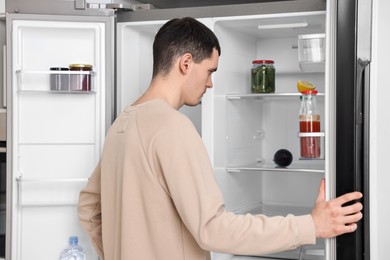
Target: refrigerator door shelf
[39,81]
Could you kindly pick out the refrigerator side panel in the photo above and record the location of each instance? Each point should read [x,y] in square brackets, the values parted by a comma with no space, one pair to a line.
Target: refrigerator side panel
[57,136]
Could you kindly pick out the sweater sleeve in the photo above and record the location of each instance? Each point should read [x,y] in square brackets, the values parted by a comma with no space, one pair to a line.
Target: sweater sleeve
[188,173]
[89,210]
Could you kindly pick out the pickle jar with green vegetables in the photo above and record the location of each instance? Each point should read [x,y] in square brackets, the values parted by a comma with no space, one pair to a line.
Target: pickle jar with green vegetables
[263,76]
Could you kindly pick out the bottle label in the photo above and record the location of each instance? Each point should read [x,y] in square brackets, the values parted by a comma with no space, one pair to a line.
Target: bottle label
[309,117]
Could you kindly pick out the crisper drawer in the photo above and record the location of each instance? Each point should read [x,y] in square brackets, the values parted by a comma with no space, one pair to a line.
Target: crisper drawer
[309,252]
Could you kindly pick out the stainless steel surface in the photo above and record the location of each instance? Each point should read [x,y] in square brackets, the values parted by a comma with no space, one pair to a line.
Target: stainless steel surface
[62,7]
[80,4]
[195,3]
[257,7]
[3,125]
[129,7]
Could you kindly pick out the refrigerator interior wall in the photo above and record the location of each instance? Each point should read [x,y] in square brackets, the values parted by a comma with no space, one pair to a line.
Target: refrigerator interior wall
[57,135]
[248,129]
[135,65]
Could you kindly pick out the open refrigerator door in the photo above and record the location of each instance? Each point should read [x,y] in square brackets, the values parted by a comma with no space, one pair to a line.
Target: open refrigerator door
[58,126]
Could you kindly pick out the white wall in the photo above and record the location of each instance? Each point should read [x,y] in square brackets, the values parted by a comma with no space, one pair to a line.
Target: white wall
[380,130]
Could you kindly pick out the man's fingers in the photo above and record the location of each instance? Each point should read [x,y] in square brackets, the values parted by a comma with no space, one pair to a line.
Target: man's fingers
[348,197]
[321,191]
[353,218]
[351,209]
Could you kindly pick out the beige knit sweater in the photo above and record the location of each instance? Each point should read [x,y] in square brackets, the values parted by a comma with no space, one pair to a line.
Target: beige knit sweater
[154,196]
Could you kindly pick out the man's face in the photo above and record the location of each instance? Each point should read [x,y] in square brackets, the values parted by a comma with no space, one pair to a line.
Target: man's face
[200,79]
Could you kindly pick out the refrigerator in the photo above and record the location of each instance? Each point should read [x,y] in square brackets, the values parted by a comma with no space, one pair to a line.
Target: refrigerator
[56,136]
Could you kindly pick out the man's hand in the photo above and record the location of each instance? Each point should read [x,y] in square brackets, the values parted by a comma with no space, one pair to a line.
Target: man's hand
[331,218]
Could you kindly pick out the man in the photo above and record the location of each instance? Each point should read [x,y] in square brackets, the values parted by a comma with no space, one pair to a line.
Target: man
[153,195]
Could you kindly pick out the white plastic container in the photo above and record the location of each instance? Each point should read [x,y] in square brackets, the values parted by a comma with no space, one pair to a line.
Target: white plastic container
[311,52]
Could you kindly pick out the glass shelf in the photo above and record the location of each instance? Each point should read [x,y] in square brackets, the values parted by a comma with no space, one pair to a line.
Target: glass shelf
[312,166]
[266,96]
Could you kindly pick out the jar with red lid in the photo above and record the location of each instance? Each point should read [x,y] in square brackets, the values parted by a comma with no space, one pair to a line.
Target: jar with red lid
[263,76]
[80,81]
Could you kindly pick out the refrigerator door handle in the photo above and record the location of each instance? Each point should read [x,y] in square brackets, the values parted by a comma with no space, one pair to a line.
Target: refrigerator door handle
[361,66]
[362,146]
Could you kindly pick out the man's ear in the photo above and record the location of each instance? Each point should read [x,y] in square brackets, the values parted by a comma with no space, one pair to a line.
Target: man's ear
[185,62]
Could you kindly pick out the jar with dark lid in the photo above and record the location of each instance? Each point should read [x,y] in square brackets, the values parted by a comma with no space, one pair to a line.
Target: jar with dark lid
[59,81]
[80,81]
[263,76]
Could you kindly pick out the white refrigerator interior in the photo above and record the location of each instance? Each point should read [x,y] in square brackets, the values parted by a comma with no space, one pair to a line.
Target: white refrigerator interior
[57,135]
[242,131]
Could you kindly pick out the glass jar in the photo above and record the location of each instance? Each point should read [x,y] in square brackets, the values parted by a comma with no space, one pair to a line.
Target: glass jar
[59,81]
[263,76]
[309,122]
[80,81]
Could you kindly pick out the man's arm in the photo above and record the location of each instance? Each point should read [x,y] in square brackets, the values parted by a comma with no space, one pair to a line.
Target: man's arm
[89,209]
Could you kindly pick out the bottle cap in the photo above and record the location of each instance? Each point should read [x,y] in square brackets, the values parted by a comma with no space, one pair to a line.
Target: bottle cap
[73,240]
[263,61]
[81,66]
[308,92]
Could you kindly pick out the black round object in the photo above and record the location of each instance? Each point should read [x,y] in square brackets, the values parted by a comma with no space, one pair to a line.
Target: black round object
[283,157]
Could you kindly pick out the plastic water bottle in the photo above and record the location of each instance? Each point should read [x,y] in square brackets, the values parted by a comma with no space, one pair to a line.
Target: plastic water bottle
[73,251]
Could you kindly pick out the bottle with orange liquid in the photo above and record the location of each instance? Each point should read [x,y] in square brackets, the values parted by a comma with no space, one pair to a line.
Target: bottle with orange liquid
[309,122]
